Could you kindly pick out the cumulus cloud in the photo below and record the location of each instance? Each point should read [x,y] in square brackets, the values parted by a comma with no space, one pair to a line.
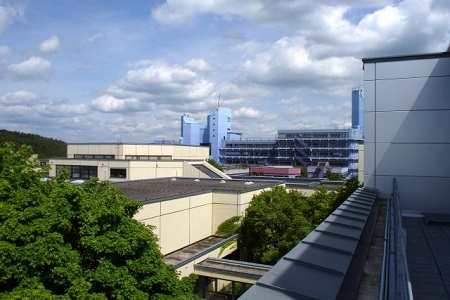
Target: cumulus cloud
[199,65]
[152,83]
[34,68]
[18,98]
[108,103]
[333,28]
[288,63]
[50,45]
[10,12]
[28,112]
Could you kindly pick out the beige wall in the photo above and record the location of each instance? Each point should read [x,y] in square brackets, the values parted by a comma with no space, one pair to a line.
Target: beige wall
[121,150]
[179,222]
[183,221]
[135,169]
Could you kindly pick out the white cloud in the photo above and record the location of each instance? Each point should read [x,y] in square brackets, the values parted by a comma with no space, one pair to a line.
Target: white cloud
[288,63]
[198,65]
[20,97]
[10,13]
[33,68]
[50,45]
[108,103]
[153,83]
[247,112]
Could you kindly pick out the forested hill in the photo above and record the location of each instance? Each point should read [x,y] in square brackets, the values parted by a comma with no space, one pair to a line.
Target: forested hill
[42,146]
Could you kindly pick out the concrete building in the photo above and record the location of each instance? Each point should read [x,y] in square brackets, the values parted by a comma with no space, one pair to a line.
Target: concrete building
[119,161]
[217,129]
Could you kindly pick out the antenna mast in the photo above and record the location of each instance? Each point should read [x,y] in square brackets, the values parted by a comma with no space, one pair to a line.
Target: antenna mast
[218,102]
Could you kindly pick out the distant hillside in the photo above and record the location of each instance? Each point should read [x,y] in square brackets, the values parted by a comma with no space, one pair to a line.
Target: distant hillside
[42,146]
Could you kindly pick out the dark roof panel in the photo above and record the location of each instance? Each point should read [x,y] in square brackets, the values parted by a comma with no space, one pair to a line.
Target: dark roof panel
[318,267]
[320,257]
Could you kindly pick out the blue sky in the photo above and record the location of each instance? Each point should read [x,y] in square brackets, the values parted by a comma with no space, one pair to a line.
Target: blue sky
[102,71]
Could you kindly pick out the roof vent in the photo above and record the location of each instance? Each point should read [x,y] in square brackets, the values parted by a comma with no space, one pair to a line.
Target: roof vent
[173,179]
[223,181]
[248,182]
[197,180]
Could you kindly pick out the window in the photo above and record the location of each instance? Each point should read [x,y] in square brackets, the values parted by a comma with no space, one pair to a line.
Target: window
[118,173]
[78,172]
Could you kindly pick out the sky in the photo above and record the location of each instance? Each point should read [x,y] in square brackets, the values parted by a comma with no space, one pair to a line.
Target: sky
[126,70]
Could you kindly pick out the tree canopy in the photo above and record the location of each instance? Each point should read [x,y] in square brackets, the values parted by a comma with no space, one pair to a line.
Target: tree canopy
[63,241]
[42,146]
[277,220]
[272,225]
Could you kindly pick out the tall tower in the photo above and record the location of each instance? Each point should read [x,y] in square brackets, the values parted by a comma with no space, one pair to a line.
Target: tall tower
[357,108]
[219,125]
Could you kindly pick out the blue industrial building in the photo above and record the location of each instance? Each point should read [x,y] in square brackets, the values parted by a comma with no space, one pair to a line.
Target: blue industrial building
[218,129]
[306,148]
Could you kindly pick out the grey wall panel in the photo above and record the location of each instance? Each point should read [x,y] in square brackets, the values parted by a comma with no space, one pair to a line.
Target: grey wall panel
[413,127]
[413,68]
[369,95]
[426,160]
[369,181]
[369,158]
[413,94]
[369,127]
[369,71]
[423,194]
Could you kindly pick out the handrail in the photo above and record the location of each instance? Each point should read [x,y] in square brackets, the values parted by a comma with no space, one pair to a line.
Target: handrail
[395,281]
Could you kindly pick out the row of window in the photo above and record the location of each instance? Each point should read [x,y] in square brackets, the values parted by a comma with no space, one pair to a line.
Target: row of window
[148,157]
[88,172]
[93,156]
[331,135]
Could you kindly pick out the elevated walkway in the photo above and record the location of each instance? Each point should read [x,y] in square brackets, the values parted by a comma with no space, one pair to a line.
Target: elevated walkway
[231,270]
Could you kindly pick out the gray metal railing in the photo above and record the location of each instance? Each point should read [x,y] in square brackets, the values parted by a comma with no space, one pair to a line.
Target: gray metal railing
[395,282]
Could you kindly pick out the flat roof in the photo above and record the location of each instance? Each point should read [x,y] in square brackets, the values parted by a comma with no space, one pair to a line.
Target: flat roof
[406,57]
[155,190]
[130,144]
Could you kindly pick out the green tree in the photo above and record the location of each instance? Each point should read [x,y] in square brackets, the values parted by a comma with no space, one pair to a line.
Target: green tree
[229,227]
[63,241]
[344,191]
[277,220]
[214,164]
[332,176]
[272,225]
[44,147]
[304,172]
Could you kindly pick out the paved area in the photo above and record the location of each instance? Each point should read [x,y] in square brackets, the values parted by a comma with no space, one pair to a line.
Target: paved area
[428,254]
[369,287]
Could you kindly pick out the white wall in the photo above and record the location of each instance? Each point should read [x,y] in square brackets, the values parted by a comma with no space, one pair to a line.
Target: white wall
[407,136]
